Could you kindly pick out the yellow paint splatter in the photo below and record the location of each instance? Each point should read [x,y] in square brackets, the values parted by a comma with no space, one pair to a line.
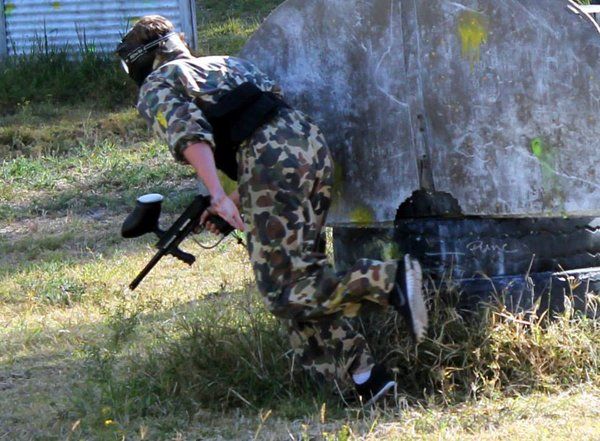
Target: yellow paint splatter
[335,300]
[56,5]
[160,117]
[228,184]
[362,216]
[472,29]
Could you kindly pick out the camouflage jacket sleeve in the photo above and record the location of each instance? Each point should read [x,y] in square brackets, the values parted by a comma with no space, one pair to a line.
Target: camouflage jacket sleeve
[172,113]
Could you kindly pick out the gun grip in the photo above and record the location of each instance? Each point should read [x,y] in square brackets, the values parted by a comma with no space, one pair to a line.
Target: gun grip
[221,224]
[183,256]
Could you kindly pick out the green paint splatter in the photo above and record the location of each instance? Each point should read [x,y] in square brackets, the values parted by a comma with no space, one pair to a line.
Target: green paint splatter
[537,147]
[552,192]
[362,216]
[390,251]
[56,5]
[9,8]
[472,30]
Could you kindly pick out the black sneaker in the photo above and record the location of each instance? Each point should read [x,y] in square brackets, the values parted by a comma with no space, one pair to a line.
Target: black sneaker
[407,296]
[378,385]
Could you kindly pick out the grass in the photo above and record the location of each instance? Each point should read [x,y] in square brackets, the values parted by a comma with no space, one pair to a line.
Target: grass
[192,353]
[224,26]
[51,75]
[210,362]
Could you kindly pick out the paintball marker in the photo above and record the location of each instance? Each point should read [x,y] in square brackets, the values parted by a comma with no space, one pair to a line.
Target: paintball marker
[144,219]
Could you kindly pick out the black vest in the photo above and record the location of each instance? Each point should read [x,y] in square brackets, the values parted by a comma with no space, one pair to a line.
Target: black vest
[235,117]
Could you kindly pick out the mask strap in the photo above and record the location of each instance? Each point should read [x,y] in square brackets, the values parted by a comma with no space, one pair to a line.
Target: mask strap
[142,50]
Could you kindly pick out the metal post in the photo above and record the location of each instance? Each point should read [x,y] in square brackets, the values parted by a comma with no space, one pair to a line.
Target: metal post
[3,33]
[187,9]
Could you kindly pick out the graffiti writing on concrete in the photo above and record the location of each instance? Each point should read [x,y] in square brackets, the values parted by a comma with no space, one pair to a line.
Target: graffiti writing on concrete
[481,247]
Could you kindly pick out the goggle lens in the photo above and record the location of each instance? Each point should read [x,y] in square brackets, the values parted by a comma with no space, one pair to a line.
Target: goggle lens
[124,66]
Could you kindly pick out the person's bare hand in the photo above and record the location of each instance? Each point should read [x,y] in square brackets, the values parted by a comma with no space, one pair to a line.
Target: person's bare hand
[227,210]
[208,225]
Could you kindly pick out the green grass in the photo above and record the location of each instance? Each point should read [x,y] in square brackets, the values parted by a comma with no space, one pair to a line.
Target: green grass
[229,353]
[87,165]
[52,76]
[224,26]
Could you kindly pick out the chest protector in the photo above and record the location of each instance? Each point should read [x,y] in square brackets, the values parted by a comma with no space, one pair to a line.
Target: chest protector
[235,117]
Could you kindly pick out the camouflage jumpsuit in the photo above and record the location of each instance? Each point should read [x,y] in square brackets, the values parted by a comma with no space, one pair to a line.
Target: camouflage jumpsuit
[284,178]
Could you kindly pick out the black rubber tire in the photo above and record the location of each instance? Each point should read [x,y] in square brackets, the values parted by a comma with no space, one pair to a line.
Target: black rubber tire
[471,246]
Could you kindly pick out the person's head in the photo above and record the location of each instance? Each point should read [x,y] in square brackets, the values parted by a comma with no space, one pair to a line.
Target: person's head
[148,44]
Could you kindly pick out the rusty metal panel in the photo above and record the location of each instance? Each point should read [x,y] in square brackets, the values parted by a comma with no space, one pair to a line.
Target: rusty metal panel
[96,25]
[499,100]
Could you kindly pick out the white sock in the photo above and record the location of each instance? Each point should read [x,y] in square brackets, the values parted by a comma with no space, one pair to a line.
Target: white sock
[361,378]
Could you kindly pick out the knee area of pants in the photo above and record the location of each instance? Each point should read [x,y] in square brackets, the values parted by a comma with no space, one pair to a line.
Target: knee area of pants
[282,309]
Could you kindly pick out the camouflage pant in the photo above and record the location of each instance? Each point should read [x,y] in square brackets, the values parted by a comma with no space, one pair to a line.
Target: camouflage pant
[285,174]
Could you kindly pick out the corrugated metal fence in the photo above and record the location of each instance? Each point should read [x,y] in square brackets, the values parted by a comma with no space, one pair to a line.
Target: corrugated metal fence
[99,24]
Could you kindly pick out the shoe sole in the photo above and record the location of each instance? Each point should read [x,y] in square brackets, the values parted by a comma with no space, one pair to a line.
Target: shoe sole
[381,393]
[416,300]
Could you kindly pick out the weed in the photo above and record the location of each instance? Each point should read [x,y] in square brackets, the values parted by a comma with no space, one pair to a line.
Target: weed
[224,27]
[123,323]
[58,77]
[492,352]
[229,352]
[59,292]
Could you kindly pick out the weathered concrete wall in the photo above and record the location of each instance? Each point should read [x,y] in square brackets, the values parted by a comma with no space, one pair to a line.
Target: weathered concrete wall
[500,97]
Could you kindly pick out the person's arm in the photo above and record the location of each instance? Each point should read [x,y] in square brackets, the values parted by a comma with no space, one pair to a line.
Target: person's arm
[200,156]
[176,118]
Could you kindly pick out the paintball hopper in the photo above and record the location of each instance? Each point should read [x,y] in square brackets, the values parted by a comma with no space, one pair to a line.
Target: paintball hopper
[144,218]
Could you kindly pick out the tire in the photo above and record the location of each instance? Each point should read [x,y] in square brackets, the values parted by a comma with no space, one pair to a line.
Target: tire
[467,247]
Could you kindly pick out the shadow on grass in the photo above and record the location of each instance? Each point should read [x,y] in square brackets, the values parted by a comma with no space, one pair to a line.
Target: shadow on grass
[160,368]
[227,352]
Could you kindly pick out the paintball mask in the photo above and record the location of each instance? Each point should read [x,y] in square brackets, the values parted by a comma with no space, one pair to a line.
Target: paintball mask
[138,61]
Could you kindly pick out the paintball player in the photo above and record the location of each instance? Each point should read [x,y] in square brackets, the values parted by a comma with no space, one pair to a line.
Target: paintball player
[222,113]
